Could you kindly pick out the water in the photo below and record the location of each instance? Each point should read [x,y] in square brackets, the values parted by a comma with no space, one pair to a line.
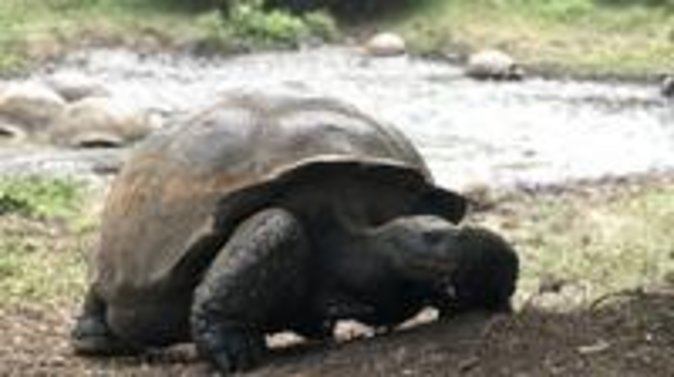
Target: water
[499,134]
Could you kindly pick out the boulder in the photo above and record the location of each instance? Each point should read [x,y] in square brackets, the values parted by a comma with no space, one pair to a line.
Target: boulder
[493,65]
[10,131]
[386,44]
[75,86]
[667,86]
[30,105]
[101,122]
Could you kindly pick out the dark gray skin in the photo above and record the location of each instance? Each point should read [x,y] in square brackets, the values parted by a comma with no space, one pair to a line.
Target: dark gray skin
[337,219]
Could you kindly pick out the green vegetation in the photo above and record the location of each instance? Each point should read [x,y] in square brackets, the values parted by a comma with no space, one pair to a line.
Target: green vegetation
[33,29]
[602,242]
[619,37]
[343,8]
[37,197]
[623,37]
[44,229]
[249,25]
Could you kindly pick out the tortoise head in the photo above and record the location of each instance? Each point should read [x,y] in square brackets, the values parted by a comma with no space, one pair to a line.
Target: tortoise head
[475,266]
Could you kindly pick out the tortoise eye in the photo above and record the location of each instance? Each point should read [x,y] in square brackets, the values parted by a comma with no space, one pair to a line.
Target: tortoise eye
[433,237]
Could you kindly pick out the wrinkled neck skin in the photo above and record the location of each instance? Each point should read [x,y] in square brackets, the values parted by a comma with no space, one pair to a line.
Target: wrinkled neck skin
[382,275]
[420,249]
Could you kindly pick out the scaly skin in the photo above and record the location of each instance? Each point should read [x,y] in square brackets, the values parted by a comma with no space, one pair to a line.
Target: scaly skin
[259,282]
[92,336]
[255,285]
[269,278]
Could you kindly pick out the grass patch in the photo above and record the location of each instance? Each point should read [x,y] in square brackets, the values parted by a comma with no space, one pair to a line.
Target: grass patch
[596,243]
[45,233]
[34,29]
[36,197]
[31,30]
[581,36]
[248,27]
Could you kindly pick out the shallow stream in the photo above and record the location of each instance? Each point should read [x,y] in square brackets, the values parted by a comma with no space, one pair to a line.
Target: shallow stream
[532,132]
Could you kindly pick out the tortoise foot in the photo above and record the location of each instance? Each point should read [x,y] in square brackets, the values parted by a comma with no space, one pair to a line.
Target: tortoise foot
[92,337]
[230,349]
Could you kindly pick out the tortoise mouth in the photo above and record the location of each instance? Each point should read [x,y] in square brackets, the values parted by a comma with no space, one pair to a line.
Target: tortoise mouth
[435,269]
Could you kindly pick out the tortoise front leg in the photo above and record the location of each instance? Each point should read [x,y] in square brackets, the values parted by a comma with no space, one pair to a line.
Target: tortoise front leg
[254,285]
[92,336]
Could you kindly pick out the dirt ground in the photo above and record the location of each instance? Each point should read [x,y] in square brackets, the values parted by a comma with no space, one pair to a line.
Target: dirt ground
[626,334]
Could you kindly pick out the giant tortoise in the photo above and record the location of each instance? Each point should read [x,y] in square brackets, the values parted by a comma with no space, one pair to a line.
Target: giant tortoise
[265,213]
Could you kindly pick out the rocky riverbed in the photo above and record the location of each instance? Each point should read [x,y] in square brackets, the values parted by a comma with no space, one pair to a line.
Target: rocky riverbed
[533,132]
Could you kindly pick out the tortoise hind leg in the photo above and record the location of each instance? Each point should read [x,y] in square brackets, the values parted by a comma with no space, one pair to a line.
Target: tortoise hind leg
[91,335]
[254,286]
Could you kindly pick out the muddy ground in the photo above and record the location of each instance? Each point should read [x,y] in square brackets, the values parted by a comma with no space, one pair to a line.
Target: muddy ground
[626,333]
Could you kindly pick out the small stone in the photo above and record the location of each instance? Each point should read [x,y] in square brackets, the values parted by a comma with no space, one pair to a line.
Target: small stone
[31,105]
[493,65]
[386,44]
[599,346]
[9,131]
[667,86]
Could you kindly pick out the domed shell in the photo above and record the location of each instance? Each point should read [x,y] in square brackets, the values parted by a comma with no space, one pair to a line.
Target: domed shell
[160,210]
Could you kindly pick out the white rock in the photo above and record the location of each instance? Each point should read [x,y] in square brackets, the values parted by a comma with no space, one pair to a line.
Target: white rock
[101,121]
[11,132]
[31,105]
[667,86]
[75,86]
[494,65]
[386,44]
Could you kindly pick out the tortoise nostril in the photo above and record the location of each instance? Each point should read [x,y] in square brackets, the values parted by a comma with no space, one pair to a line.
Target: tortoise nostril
[433,238]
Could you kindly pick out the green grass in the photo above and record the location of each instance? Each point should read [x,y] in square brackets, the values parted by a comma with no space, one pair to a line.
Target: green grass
[578,36]
[36,197]
[600,244]
[45,233]
[249,27]
[33,29]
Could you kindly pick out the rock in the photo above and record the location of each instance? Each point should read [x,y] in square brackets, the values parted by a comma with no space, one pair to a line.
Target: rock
[386,44]
[101,122]
[667,86]
[75,86]
[10,132]
[96,139]
[493,65]
[30,105]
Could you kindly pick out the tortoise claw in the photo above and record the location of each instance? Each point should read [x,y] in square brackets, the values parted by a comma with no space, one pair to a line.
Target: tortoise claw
[222,362]
[92,337]
[233,351]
